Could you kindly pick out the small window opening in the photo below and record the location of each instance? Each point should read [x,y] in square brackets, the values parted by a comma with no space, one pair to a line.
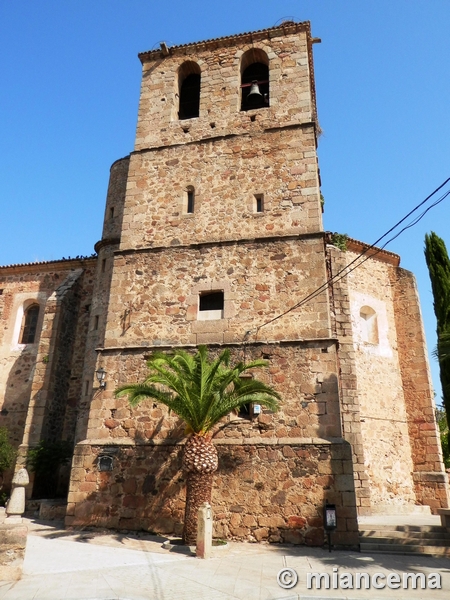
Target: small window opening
[190,97]
[111,212]
[96,322]
[86,387]
[211,301]
[259,203]
[211,305]
[255,86]
[190,200]
[103,265]
[1,291]
[30,324]
[245,411]
[369,325]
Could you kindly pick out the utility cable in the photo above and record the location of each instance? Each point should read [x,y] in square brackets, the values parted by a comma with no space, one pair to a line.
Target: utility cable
[346,271]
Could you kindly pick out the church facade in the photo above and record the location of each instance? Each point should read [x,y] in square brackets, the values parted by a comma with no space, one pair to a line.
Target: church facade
[213,235]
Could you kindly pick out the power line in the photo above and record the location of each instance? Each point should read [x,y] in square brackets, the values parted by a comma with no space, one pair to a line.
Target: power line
[346,270]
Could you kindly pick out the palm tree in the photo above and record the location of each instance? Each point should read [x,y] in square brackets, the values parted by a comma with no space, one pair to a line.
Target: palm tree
[201,391]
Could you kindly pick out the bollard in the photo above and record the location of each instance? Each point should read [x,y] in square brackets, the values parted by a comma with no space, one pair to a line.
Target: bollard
[204,531]
[16,504]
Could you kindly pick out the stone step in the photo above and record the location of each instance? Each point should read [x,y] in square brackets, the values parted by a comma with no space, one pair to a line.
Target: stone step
[432,540]
[404,528]
[374,547]
[426,541]
[406,535]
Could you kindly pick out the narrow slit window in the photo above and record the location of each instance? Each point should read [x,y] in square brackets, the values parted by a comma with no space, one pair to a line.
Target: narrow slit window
[190,201]
[30,322]
[259,203]
[103,265]
[96,322]
[111,212]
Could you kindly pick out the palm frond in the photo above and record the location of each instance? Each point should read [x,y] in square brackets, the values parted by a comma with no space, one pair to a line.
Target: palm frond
[199,390]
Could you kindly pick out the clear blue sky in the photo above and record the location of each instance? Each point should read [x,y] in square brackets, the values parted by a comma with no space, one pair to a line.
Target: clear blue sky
[69,91]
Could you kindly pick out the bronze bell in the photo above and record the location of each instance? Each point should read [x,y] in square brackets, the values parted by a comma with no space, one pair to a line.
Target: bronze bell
[254,96]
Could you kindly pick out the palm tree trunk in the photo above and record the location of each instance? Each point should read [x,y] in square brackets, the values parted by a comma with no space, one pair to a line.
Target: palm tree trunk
[198,490]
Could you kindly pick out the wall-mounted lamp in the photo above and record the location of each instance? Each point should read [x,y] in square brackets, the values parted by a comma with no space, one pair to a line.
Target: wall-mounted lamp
[101,375]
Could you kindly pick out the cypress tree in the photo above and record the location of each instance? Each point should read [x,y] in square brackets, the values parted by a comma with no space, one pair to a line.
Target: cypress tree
[438,264]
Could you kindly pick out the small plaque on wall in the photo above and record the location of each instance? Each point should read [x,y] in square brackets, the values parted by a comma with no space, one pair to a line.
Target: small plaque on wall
[105,463]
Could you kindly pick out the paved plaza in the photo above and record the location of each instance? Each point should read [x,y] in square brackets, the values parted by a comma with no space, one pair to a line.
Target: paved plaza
[94,565]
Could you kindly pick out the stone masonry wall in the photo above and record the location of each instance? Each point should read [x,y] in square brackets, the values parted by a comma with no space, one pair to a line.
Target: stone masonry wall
[276,469]
[288,52]
[430,479]
[303,373]
[271,490]
[383,415]
[225,155]
[348,385]
[155,295]
[112,221]
[22,365]
[97,311]
[226,175]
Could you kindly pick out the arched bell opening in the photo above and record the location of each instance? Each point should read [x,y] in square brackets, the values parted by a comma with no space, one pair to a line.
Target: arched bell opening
[254,80]
[189,80]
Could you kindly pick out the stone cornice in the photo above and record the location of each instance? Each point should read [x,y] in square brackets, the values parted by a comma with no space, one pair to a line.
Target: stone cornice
[287,28]
[226,136]
[254,441]
[215,243]
[237,344]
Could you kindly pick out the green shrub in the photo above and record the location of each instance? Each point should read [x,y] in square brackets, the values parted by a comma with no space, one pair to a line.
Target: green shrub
[48,456]
[45,461]
[340,241]
[7,452]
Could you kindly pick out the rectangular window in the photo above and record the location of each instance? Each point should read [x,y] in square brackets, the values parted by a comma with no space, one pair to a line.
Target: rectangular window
[96,322]
[211,305]
[111,212]
[103,265]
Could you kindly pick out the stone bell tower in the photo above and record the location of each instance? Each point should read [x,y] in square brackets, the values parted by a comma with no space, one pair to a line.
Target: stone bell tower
[216,168]
[220,235]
